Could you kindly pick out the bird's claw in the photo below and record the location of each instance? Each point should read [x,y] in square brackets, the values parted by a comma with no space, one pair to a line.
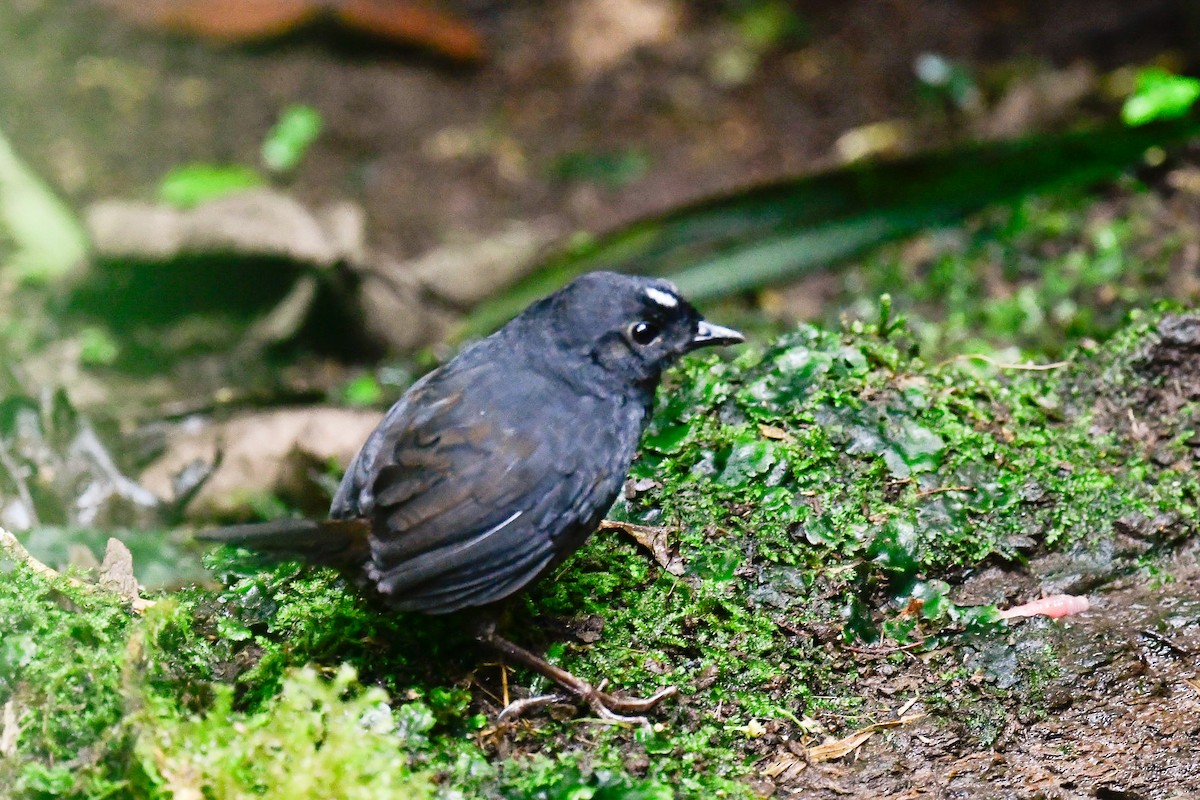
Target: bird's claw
[518,707]
[625,710]
[610,708]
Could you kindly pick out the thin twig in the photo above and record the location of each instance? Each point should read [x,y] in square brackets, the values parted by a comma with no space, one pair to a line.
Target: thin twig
[886,651]
[1005,364]
[940,489]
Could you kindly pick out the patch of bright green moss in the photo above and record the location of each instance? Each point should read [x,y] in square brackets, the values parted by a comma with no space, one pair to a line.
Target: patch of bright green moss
[318,737]
[1037,277]
[61,659]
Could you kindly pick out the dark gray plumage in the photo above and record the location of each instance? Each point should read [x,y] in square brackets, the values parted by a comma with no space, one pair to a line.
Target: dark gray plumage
[498,465]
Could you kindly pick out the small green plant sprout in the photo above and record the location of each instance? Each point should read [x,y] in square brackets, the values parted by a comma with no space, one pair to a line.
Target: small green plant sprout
[1160,95]
[291,137]
[190,185]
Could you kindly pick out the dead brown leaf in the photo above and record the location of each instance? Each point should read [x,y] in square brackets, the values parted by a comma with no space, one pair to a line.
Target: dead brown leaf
[774,432]
[829,751]
[116,571]
[653,538]
[266,452]
[254,223]
[404,21]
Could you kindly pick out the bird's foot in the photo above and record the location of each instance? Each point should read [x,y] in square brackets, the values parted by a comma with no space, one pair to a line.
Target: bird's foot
[614,708]
[518,708]
[608,707]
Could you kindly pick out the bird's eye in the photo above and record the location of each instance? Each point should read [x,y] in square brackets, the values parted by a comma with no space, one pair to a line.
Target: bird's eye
[643,333]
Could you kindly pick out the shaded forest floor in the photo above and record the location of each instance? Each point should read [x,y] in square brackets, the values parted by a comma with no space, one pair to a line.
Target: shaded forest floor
[832,527]
[834,515]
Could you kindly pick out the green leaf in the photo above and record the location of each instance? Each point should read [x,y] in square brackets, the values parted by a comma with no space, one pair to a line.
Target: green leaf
[97,347]
[291,137]
[935,599]
[232,630]
[746,461]
[1160,96]
[40,238]
[669,440]
[612,170]
[764,25]
[895,548]
[193,184]
[362,391]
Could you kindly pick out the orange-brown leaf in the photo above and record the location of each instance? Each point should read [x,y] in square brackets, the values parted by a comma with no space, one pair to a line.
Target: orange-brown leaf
[229,20]
[413,23]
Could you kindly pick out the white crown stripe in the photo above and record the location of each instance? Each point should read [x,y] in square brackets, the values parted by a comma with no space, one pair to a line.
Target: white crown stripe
[665,299]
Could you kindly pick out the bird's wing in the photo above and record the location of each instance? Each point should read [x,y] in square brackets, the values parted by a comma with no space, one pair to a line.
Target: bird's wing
[477,493]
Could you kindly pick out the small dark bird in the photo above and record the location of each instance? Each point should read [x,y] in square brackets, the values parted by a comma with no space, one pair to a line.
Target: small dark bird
[495,467]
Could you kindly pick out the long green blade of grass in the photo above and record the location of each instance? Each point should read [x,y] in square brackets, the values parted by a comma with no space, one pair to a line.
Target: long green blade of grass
[776,232]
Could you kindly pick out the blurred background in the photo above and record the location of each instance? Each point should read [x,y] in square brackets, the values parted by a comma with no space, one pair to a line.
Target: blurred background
[231,231]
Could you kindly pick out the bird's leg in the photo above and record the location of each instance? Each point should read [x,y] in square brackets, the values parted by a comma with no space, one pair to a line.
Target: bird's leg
[607,706]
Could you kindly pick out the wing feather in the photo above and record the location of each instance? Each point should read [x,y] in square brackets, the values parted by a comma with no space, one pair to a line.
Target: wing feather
[467,501]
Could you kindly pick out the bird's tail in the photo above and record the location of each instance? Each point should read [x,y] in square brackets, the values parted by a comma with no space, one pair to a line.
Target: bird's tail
[342,544]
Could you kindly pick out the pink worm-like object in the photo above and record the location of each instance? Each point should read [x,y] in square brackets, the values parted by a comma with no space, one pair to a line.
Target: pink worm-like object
[1054,606]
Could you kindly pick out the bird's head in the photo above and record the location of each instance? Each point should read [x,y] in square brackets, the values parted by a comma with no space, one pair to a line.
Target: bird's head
[631,327]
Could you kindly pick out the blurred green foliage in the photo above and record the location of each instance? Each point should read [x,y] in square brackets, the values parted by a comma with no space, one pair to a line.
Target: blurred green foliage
[41,241]
[291,137]
[364,391]
[610,170]
[283,149]
[97,347]
[192,184]
[1160,95]
[778,232]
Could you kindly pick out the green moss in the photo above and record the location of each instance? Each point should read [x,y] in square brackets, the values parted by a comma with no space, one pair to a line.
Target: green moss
[61,658]
[1037,276]
[316,738]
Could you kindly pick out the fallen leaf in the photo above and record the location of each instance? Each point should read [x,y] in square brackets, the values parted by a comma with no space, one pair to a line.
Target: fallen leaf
[651,537]
[413,22]
[774,432]
[259,223]
[402,21]
[264,453]
[232,20]
[829,751]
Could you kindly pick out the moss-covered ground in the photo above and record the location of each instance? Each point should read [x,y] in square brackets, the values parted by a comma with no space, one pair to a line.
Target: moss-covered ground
[822,499]
[1034,277]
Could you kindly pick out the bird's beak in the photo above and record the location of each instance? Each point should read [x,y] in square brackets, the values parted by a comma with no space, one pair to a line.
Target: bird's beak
[709,335]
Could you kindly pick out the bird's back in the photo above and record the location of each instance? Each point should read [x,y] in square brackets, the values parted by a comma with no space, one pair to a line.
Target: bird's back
[486,474]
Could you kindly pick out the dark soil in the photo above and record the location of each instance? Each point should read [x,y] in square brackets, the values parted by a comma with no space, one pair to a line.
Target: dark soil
[1122,715]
